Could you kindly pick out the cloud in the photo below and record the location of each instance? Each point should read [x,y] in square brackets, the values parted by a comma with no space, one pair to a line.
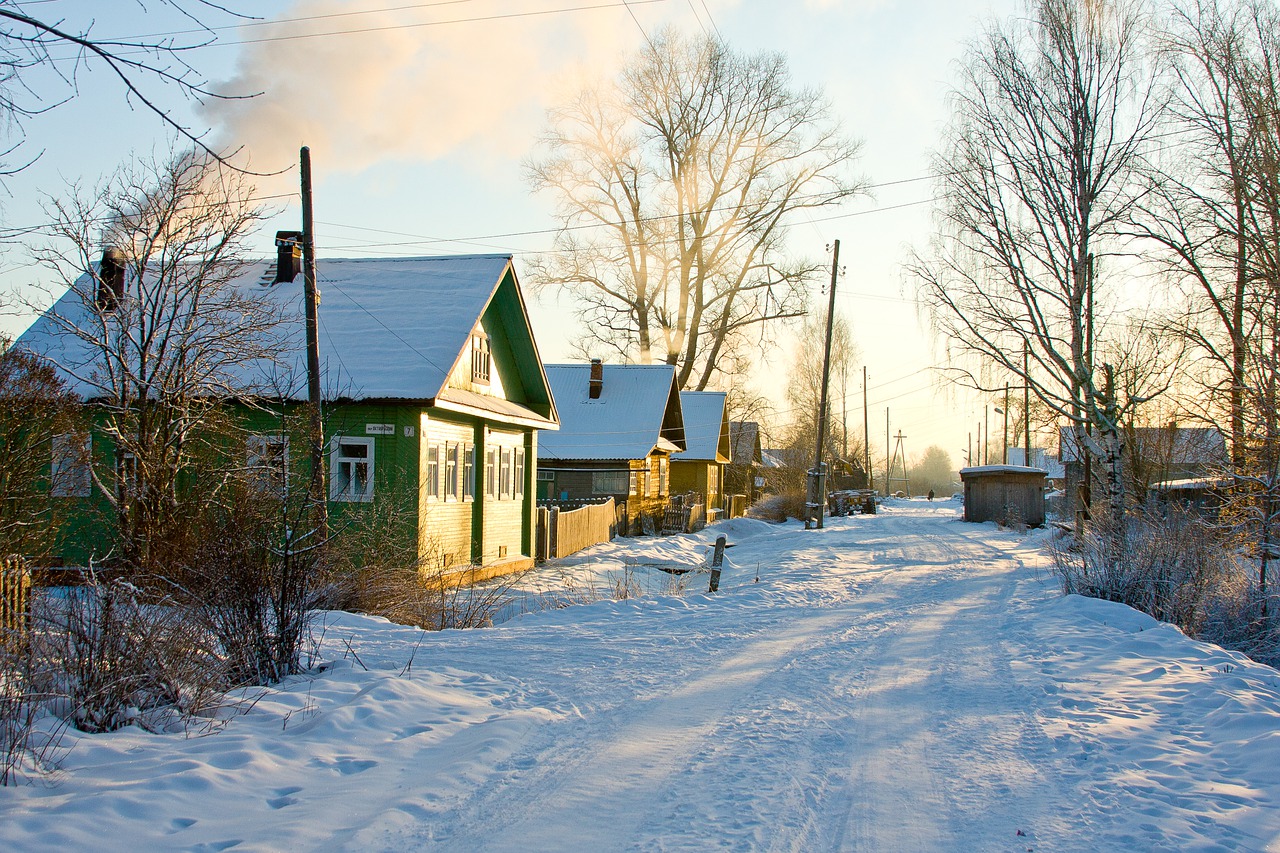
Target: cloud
[393,85]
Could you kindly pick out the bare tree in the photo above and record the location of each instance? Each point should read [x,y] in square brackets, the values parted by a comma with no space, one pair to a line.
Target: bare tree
[43,55]
[156,336]
[1200,208]
[676,184]
[804,390]
[1214,212]
[1036,176]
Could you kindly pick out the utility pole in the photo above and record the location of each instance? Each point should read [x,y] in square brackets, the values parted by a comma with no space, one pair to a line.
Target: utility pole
[317,494]
[888,460]
[817,478]
[1026,397]
[900,449]
[1005,440]
[986,434]
[866,432]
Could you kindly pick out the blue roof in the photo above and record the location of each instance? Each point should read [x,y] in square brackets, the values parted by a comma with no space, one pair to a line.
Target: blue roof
[703,426]
[625,422]
[389,328]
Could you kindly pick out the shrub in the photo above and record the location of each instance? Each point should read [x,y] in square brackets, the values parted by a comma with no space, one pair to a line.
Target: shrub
[778,508]
[1181,570]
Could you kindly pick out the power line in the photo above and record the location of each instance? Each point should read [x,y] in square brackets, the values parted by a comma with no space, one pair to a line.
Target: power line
[403,26]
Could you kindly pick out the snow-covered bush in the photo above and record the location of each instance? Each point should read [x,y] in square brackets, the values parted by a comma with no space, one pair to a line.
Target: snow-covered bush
[1180,569]
[778,508]
[1174,568]
[104,657]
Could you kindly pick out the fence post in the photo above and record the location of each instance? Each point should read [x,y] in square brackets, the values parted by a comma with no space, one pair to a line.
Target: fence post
[553,533]
[717,559]
[15,590]
[540,548]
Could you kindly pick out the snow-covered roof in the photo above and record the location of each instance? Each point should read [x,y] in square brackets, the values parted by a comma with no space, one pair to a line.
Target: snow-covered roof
[390,328]
[1040,458]
[1192,483]
[1176,445]
[704,426]
[638,407]
[987,470]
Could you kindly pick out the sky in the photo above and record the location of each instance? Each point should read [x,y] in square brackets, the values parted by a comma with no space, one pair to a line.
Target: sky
[420,117]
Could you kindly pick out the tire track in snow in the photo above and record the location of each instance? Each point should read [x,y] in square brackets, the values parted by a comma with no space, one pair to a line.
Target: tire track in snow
[620,770]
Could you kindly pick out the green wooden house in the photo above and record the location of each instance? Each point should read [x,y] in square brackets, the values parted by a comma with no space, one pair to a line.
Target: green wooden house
[434,398]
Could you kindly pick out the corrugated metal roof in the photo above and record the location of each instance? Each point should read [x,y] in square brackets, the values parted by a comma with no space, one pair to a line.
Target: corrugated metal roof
[703,419]
[389,328]
[625,422]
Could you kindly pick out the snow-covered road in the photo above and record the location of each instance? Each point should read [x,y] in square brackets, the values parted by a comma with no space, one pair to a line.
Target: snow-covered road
[897,682]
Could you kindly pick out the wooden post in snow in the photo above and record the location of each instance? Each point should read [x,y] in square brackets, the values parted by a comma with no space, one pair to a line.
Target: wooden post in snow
[717,560]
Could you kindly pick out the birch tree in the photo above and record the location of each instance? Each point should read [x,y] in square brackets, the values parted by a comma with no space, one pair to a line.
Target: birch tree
[1049,124]
[1213,214]
[675,185]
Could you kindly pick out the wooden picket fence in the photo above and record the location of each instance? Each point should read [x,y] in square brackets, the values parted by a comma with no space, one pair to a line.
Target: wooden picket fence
[564,532]
[15,597]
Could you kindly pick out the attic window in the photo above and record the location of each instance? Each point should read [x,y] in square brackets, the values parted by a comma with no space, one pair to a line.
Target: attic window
[480,358]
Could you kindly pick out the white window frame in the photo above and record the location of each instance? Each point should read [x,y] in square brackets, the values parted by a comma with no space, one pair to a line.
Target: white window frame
[69,472]
[468,471]
[504,472]
[126,474]
[433,471]
[267,461]
[517,473]
[338,485]
[491,472]
[481,358]
[451,467]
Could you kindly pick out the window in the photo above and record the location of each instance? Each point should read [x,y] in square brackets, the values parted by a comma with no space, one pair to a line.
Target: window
[713,480]
[126,474]
[433,471]
[469,472]
[491,472]
[351,469]
[664,475]
[69,476]
[517,474]
[268,464]
[452,454]
[637,483]
[480,357]
[504,476]
[610,482]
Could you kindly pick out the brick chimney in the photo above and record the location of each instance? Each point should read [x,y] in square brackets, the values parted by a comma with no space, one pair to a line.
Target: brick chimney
[110,280]
[288,255]
[596,385]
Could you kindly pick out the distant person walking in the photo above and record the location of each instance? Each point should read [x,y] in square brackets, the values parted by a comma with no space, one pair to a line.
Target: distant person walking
[931,494]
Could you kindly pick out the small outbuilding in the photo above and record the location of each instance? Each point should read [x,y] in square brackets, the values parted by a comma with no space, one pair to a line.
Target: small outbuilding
[1004,494]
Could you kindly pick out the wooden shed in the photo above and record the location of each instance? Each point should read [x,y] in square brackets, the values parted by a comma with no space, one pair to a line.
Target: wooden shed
[1004,494]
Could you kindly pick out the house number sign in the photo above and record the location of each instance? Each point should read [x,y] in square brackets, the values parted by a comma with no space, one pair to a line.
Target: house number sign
[379,429]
